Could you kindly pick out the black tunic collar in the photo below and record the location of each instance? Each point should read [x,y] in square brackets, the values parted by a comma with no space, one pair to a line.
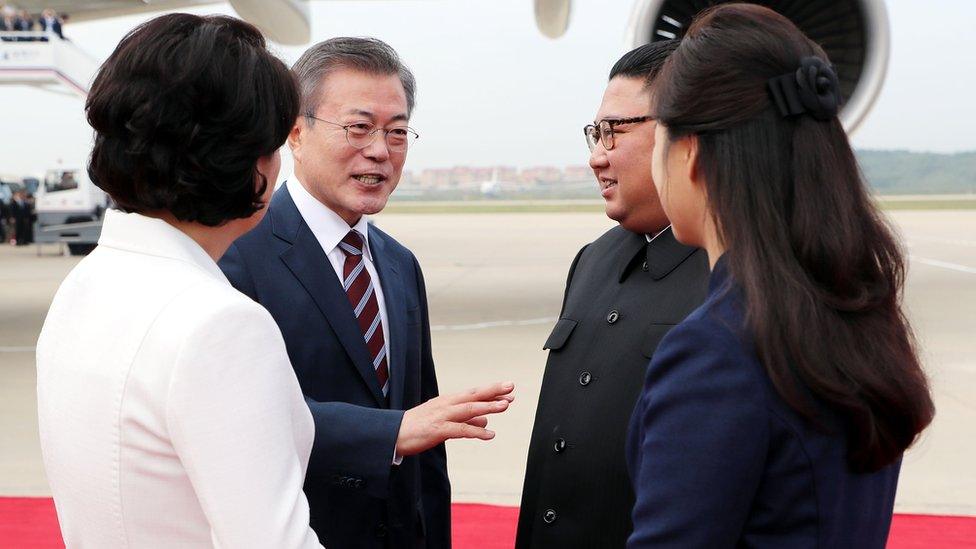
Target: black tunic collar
[658,257]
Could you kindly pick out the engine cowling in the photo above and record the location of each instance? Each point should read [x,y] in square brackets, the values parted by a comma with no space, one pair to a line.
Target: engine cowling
[854,33]
[284,21]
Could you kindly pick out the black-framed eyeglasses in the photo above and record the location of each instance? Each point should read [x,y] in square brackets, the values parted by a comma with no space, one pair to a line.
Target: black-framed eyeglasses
[602,131]
[360,135]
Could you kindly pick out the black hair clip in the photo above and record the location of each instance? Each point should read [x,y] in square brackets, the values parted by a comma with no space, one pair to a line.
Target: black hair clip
[813,88]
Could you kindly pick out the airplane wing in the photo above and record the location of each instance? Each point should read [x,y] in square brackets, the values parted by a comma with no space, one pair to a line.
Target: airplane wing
[81,10]
[284,21]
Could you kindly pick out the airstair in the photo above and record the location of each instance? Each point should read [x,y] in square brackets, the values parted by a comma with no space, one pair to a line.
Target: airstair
[44,61]
[41,60]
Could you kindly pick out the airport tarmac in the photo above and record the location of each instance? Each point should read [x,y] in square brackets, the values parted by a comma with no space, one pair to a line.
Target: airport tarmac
[495,284]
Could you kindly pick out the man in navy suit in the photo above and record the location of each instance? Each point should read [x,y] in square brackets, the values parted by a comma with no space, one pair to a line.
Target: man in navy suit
[351,305]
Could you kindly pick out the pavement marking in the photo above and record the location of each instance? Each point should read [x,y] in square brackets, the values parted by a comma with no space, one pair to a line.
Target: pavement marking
[953,241]
[17,349]
[495,324]
[943,264]
[435,328]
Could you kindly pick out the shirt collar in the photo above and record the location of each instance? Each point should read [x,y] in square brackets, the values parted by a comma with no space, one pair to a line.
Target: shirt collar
[650,238]
[329,229]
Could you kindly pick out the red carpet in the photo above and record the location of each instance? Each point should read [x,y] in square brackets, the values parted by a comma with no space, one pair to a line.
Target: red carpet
[30,523]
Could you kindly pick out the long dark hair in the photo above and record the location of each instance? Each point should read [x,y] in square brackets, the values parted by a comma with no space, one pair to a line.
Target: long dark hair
[820,270]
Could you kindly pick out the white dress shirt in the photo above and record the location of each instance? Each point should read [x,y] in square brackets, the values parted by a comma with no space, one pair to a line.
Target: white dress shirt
[169,413]
[657,234]
[329,229]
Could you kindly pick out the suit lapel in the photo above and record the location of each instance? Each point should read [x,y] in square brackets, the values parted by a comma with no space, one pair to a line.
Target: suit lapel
[310,265]
[396,314]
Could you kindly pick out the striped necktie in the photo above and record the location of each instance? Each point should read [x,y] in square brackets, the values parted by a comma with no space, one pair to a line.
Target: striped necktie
[359,288]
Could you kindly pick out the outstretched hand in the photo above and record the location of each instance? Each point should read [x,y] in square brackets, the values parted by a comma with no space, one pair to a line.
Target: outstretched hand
[459,415]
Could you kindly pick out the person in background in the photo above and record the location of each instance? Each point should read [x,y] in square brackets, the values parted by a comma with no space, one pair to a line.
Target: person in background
[776,414]
[625,290]
[23,217]
[51,23]
[8,23]
[4,216]
[24,22]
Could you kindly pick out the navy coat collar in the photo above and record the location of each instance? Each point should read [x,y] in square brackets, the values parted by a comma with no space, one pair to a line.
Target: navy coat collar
[306,260]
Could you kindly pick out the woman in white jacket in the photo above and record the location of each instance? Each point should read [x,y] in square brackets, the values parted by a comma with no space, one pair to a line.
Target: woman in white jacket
[169,413]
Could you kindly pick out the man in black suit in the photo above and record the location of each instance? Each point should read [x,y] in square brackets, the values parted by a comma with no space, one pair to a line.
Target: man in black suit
[625,290]
[22,213]
[4,215]
[350,302]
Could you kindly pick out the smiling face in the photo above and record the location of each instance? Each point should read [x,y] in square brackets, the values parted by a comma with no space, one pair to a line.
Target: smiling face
[351,182]
[624,172]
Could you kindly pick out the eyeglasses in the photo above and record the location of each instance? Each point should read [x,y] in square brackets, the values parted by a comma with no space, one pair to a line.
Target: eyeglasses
[602,132]
[360,135]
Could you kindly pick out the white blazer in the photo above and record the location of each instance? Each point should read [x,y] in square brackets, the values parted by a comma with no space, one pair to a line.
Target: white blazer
[169,413]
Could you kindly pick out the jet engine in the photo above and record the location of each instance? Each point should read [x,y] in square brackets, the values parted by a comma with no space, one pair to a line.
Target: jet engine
[284,21]
[854,33]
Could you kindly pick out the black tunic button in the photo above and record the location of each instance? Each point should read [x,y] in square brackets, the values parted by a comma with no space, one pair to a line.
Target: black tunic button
[645,267]
[549,516]
[585,378]
[560,445]
[613,316]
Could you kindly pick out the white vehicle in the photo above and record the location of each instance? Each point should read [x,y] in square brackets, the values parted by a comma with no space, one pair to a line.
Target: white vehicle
[69,209]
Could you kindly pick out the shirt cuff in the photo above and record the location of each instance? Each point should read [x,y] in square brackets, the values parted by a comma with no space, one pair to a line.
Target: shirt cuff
[397,460]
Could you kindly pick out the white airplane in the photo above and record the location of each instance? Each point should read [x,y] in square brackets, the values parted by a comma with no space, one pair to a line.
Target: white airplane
[63,67]
[855,33]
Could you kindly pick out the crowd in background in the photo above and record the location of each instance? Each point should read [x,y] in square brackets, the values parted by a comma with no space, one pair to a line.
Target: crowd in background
[17,217]
[14,20]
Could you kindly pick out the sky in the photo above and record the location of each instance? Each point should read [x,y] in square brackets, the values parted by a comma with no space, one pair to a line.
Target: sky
[493,91]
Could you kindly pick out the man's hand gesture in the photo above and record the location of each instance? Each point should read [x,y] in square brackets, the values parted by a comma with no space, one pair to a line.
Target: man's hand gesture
[460,415]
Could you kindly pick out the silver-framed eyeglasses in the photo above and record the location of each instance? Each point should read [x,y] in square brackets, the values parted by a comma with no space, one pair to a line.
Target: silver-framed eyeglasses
[360,135]
[602,131]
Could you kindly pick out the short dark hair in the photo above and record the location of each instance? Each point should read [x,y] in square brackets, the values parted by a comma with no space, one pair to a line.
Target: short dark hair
[182,110]
[369,55]
[644,61]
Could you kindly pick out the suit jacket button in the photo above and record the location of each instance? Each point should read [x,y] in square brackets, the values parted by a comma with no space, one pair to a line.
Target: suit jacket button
[645,267]
[585,378]
[613,317]
[560,445]
[549,516]
[381,530]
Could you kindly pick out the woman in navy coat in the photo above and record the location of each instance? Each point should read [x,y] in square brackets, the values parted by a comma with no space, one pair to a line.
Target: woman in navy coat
[776,414]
